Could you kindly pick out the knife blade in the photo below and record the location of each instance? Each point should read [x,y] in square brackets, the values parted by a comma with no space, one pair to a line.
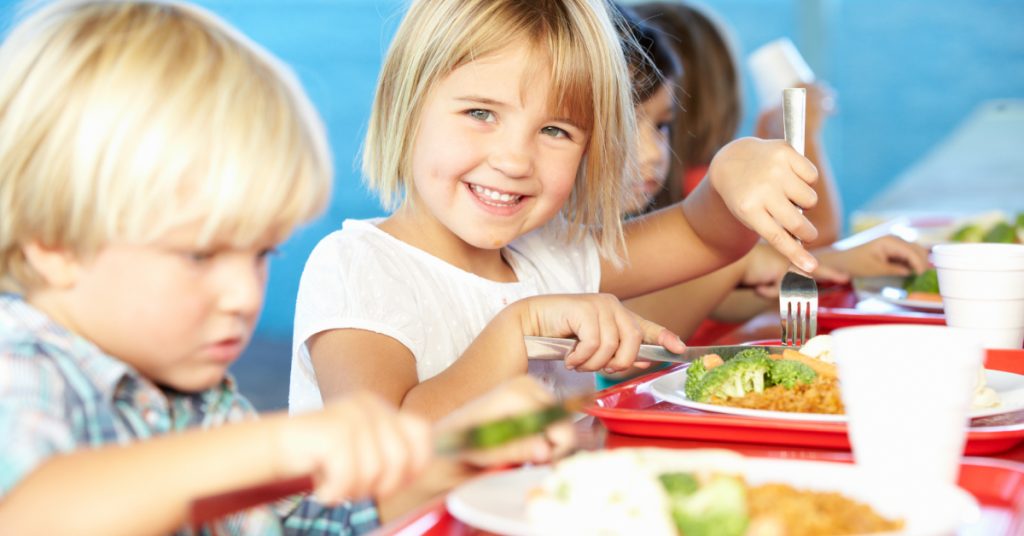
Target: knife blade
[552,348]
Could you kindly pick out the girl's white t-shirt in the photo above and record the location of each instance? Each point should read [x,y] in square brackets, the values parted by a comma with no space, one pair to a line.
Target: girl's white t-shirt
[363,278]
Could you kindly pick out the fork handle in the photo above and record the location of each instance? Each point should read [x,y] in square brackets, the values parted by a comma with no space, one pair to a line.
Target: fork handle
[794,111]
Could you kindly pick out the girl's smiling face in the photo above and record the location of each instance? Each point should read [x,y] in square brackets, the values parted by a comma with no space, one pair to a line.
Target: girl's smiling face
[654,119]
[491,160]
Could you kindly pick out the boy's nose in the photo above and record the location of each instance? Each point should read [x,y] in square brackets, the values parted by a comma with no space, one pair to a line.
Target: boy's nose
[241,291]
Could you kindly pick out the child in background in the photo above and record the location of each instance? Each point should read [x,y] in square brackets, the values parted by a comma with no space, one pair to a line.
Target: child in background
[709,96]
[504,130]
[151,158]
[762,268]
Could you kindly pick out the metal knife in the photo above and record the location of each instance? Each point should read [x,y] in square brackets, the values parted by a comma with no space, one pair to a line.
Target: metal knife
[550,348]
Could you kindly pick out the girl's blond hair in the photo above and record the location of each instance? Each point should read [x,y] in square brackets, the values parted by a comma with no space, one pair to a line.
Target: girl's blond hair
[590,79]
[120,120]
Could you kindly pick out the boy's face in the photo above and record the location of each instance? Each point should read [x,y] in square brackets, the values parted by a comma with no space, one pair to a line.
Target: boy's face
[491,161]
[178,314]
[654,119]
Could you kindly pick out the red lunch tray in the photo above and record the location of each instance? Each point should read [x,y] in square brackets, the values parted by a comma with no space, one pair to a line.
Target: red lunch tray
[839,307]
[997,484]
[630,408]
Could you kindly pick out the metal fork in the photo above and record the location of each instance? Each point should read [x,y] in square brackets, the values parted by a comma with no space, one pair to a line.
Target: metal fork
[798,293]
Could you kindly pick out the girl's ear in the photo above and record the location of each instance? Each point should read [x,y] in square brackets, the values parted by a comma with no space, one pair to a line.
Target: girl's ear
[58,267]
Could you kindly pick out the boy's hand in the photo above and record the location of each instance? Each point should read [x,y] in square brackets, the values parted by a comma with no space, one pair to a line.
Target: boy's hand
[886,255]
[357,447]
[609,334]
[514,397]
[764,183]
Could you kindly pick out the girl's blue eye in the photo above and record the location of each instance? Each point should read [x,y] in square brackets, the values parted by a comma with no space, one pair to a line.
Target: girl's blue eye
[265,254]
[555,132]
[665,128]
[481,115]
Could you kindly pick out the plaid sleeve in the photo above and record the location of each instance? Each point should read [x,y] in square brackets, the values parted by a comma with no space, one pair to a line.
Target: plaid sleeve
[32,419]
[304,516]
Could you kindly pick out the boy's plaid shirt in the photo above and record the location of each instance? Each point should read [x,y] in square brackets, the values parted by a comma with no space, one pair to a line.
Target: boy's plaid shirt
[59,393]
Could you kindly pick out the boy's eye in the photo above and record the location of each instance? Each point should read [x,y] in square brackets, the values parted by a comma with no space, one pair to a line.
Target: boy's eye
[555,132]
[481,115]
[199,257]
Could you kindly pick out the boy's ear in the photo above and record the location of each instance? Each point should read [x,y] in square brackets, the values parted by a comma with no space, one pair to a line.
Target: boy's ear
[57,266]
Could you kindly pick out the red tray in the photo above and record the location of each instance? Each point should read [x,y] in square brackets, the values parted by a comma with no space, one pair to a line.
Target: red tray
[838,307]
[629,408]
[997,484]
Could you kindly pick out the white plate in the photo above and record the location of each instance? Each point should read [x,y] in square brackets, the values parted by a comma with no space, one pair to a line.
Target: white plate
[670,388]
[890,290]
[497,502]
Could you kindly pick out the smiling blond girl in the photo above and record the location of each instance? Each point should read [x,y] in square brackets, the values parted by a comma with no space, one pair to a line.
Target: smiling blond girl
[501,134]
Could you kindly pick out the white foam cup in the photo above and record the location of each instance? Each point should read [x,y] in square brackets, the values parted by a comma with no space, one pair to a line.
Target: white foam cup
[982,288]
[775,66]
[907,390]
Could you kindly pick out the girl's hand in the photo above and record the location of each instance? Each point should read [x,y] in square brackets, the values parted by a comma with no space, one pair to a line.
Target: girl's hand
[358,446]
[610,335]
[764,183]
[765,268]
[516,396]
[886,255]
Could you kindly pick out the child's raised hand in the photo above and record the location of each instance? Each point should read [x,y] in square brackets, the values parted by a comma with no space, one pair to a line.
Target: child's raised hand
[516,396]
[886,255]
[764,183]
[357,447]
[765,268]
[609,334]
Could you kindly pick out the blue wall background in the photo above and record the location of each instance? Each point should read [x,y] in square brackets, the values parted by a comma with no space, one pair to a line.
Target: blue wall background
[906,72]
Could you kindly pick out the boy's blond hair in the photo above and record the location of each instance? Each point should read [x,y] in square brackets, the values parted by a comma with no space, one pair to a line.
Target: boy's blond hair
[576,39]
[120,120]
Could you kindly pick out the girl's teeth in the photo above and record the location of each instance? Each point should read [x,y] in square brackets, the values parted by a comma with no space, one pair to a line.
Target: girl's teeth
[488,194]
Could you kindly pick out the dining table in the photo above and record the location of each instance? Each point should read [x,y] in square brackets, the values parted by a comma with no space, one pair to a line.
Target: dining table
[628,415]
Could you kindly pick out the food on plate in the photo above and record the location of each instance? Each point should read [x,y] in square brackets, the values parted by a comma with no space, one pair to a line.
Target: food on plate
[926,282]
[804,381]
[991,227]
[755,379]
[691,493]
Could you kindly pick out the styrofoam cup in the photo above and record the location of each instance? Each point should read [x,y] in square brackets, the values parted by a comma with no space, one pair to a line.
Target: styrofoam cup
[907,391]
[775,66]
[982,288]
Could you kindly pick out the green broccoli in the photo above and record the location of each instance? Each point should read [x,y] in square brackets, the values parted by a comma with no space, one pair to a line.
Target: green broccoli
[716,508]
[788,373]
[968,233]
[738,376]
[1001,233]
[694,378]
[750,353]
[926,281]
[678,484]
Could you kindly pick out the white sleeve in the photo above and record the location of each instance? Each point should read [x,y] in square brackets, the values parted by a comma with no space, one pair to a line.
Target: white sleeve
[348,284]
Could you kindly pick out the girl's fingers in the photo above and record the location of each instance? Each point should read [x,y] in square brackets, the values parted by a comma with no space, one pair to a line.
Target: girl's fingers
[630,338]
[783,242]
[801,194]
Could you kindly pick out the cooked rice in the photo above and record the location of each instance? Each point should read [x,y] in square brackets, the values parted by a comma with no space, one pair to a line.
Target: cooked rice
[812,513]
[819,396]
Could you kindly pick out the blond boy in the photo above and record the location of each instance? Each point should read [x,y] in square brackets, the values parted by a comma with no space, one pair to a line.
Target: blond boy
[150,159]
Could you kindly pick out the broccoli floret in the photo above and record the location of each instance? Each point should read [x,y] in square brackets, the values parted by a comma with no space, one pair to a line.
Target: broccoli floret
[678,484]
[735,378]
[694,379]
[751,353]
[926,281]
[716,508]
[788,373]
[968,233]
[1001,233]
